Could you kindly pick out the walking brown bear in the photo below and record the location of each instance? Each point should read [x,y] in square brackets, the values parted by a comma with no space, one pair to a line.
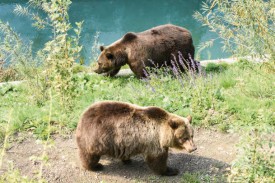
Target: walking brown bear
[165,45]
[122,130]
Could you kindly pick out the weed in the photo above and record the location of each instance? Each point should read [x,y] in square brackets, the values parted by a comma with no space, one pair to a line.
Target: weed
[6,137]
[213,67]
[190,178]
[95,50]
[255,162]
[58,56]
[240,28]
[13,175]
[15,55]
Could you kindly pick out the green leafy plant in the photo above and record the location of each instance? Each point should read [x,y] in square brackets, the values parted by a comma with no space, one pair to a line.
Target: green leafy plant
[255,162]
[14,175]
[6,135]
[95,50]
[16,61]
[59,55]
[245,27]
[213,67]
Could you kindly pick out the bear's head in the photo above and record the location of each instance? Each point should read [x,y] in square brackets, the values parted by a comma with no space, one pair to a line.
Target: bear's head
[115,55]
[183,133]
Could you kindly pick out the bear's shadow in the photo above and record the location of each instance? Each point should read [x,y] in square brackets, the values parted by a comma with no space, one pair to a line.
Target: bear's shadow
[183,162]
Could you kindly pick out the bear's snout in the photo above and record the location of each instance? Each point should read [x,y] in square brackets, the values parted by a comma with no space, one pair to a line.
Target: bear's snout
[102,67]
[193,149]
[189,146]
[99,68]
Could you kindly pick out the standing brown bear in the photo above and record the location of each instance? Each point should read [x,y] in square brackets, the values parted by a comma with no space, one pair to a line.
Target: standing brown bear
[165,45]
[122,130]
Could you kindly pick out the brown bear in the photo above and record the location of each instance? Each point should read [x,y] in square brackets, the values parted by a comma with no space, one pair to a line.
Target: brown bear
[165,45]
[122,130]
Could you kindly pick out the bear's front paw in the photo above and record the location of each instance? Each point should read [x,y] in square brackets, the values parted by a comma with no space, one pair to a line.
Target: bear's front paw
[97,167]
[171,171]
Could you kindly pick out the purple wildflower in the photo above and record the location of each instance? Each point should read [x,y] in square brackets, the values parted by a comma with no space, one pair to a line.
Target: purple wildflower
[145,73]
[185,63]
[147,80]
[193,63]
[176,73]
[181,60]
[152,62]
[174,68]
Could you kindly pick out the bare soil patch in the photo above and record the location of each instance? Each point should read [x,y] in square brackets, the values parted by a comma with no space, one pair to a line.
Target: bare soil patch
[214,154]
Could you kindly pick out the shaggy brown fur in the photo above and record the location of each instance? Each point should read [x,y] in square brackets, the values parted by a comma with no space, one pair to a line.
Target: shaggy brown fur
[122,130]
[155,47]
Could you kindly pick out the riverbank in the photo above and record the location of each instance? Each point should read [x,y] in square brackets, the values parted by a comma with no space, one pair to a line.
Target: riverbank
[129,72]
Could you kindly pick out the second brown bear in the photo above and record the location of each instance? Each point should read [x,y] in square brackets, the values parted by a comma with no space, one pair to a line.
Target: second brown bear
[165,45]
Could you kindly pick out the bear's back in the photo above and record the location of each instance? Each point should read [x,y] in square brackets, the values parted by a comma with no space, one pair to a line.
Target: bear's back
[101,115]
[161,44]
[122,109]
[116,126]
[107,108]
[165,30]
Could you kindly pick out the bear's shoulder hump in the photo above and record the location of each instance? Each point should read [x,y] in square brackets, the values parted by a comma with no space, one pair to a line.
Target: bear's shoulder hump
[156,113]
[129,37]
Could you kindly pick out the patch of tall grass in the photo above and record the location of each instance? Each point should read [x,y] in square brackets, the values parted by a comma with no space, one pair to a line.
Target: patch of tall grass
[227,100]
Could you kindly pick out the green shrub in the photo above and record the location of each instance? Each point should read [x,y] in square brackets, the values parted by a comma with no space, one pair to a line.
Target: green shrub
[77,68]
[15,176]
[245,27]
[16,62]
[59,54]
[213,67]
[255,162]
[227,82]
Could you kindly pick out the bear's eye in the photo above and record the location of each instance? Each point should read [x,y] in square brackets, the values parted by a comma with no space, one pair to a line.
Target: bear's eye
[109,56]
[186,138]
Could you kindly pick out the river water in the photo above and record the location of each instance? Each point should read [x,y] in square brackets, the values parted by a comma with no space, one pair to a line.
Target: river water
[113,18]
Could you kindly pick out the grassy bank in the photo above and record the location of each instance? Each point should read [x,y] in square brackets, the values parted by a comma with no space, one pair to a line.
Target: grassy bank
[231,97]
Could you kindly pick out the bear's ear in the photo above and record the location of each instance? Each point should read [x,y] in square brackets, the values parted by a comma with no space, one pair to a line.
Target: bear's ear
[189,118]
[129,37]
[173,124]
[101,48]
[109,55]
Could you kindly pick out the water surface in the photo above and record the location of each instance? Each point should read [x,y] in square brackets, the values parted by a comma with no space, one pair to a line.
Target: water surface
[114,18]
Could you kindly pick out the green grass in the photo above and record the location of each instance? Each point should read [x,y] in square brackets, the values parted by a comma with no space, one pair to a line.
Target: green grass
[200,177]
[190,178]
[233,98]
[15,176]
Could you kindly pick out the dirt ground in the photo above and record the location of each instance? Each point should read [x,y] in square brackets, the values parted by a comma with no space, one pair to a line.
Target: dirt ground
[214,154]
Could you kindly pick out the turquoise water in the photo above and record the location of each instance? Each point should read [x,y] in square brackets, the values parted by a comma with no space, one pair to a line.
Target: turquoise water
[113,18]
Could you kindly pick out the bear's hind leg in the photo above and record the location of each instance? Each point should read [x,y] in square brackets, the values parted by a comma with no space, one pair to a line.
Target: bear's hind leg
[159,165]
[90,161]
